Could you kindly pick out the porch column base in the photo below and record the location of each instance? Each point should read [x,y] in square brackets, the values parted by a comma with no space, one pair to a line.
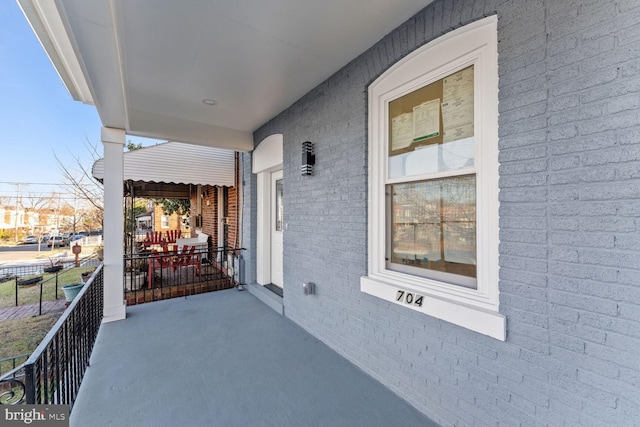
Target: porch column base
[114,313]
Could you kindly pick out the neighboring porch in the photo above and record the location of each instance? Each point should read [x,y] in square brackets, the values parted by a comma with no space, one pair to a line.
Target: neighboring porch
[225,358]
[179,270]
[150,269]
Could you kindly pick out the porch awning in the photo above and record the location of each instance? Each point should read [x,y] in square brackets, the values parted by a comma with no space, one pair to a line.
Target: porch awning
[169,169]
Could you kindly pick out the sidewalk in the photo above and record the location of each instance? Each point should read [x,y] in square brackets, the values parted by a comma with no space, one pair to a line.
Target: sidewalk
[30,310]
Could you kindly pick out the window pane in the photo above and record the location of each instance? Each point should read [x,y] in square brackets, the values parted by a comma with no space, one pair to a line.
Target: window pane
[431,129]
[433,159]
[433,227]
[279,208]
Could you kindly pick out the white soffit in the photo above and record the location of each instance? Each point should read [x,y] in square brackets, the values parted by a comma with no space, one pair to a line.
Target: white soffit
[177,163]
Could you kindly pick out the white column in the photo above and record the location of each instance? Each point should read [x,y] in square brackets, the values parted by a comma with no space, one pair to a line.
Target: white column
[113,141]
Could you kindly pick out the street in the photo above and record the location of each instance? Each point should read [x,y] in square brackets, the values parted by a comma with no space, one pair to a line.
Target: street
[23,252]
[25,248]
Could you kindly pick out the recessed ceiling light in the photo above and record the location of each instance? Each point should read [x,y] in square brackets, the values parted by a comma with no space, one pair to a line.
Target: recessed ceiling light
[209,101]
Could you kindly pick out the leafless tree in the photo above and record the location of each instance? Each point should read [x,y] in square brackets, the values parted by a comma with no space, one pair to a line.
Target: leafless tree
[35,202]
[78,176]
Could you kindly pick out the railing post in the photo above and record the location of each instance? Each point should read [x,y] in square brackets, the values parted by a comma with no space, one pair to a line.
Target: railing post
[29,383]
[16,291]
[40,308]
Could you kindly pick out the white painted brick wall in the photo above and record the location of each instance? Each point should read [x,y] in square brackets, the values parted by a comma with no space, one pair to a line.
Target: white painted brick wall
[569,219]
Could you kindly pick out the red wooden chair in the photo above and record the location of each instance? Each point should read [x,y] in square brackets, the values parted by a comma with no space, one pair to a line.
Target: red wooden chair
[187,257]
[173,235]
[168,249]
[158,261]
[153,238]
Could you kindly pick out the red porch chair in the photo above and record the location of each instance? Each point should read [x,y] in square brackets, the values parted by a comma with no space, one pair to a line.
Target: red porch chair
[187,257]
[173,235]
[153,238]
[159,261]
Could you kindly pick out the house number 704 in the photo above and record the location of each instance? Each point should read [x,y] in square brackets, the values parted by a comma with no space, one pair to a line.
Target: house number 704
[409,298]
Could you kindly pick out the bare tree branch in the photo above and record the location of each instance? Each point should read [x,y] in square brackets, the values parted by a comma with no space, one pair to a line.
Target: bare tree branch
[84,187]
[35,203]
[80,179]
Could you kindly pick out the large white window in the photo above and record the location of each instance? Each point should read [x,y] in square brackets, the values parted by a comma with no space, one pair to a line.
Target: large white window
[433,181]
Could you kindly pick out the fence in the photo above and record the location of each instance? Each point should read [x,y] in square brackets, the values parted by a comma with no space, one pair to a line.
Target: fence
[54,371]
[11,363]
[24,277]
[12,271]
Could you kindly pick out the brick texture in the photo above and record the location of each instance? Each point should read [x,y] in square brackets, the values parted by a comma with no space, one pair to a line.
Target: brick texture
[570,200]
[210,212]
[210,215]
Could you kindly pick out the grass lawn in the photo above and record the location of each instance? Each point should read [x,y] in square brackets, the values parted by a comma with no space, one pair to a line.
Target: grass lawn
[22,336]
[31,293]
[46,252]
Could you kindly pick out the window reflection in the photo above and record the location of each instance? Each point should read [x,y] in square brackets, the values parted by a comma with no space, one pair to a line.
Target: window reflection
[433,225]
[279,216]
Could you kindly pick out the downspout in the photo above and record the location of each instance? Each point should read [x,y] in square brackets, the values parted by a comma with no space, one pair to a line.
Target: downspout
[236,243]
[133,224]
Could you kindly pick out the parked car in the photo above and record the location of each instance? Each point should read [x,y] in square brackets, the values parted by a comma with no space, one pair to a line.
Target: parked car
[30,240]
[78,236]
[58,241]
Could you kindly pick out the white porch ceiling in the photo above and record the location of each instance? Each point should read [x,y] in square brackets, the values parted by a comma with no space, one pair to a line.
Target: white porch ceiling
[147,64]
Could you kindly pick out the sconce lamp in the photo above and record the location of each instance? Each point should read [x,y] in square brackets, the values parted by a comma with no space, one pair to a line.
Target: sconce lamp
[308,158]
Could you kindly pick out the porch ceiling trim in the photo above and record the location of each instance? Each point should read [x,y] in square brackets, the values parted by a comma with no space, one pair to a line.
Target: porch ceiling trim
[176,163]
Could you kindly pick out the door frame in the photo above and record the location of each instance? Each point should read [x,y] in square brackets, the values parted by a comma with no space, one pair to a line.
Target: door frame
[275,176]
[266,159]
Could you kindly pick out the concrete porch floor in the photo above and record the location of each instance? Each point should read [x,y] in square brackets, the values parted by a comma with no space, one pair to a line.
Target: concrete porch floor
[226,359]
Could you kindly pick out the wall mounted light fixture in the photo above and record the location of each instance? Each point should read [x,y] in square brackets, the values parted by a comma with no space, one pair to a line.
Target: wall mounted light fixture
[308,158]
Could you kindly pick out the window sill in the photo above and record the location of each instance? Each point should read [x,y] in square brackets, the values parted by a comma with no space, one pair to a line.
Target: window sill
[477,319]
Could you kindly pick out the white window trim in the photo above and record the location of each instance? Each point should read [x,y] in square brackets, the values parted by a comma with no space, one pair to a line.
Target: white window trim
[475,309]
[162,221]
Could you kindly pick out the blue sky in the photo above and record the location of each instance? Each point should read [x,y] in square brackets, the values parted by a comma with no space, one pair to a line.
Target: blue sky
[37,115]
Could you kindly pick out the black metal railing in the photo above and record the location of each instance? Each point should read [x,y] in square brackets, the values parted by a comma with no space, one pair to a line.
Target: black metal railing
[155,275]
[54,371]
[41,283]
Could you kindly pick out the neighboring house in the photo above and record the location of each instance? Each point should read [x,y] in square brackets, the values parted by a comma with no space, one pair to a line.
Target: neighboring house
[517,122]
[54,220]
[180,171]
[21,219]
[144,222]
[164,222]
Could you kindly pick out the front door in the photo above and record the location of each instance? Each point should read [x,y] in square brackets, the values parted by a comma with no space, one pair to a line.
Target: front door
[277,228]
